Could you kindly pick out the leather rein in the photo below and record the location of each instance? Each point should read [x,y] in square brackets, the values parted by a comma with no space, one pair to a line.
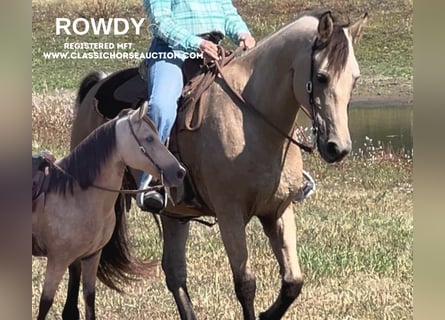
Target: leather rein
[309,89]
[146,119]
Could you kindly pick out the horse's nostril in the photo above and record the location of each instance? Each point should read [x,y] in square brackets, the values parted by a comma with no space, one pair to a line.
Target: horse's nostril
[180,174]
[332,148]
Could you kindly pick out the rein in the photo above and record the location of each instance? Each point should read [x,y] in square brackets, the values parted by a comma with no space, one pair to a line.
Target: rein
[309,89]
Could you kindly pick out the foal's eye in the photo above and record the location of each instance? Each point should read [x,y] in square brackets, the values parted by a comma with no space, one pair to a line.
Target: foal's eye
[322,78]
[150,138]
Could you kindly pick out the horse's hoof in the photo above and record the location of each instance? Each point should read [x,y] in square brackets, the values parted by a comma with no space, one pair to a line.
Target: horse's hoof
[71,315]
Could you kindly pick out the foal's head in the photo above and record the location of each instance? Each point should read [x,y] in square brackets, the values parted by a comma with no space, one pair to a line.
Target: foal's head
[329,75]
[142,149]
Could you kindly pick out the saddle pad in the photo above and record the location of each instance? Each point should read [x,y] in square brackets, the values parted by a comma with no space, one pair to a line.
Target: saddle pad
[121,90]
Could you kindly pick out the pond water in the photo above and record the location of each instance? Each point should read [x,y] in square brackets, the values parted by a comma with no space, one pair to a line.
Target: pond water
[389,126]
[383,126]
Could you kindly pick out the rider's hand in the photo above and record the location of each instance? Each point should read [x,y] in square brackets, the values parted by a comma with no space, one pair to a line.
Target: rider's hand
[209,49]
[246,41]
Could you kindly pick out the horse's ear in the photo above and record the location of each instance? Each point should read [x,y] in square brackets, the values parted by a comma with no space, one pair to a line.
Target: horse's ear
[326,26]
[356,29]
[143,109]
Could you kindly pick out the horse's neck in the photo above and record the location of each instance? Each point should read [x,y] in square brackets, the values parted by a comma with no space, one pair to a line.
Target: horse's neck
[111,175]
[269,86]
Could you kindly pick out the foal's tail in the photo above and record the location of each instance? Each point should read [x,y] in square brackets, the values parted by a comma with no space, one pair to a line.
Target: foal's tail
[117,267]
[87,83]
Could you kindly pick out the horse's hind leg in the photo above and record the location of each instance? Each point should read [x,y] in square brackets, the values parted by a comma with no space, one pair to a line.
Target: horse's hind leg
[282,236]
[71,310]
[89,270]
[53,276]
[175,235]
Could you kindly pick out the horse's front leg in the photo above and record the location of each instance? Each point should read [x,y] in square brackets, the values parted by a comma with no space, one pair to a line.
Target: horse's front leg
[53,275]
[282,236]
[89,270]
[71,310]
[232,227]
[175,234]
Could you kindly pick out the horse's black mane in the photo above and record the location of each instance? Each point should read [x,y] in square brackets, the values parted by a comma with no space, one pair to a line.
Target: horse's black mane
[84,163]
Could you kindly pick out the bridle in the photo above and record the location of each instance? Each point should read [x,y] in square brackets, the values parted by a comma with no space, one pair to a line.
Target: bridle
[310,90]
[147,120]
[312,114]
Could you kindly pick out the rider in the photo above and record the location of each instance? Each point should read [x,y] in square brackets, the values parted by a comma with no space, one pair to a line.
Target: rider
[175,25]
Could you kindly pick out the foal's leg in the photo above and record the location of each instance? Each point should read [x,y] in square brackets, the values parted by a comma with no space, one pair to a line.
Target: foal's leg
[175,234]
[89,271]
[282,236]
[53,276]
[233,233]
[71,310]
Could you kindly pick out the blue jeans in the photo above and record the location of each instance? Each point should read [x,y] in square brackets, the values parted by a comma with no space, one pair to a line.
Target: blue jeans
[164,88]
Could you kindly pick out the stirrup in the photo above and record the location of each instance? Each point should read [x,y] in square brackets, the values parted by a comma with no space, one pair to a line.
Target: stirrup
[308,188]
[143,185]
[154,201]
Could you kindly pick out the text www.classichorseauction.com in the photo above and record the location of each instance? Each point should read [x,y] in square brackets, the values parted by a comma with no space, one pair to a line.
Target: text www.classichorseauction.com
[108,50]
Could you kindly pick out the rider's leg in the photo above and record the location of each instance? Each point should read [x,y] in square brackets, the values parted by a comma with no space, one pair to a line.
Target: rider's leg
[164,77]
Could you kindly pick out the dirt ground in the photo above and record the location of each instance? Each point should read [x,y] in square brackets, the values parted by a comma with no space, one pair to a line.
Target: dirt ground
[380,90]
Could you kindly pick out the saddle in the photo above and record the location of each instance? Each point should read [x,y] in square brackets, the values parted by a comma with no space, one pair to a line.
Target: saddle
[41,171]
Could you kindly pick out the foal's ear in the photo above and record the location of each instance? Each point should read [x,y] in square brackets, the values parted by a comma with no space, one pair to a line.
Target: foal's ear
[356,29]
[325,26]
[143,109]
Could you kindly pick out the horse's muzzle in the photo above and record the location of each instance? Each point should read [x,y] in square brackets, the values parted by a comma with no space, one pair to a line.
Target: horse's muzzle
[174,178]
[334,152]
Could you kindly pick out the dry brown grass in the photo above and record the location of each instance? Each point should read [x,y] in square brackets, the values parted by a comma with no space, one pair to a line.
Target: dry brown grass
[51,121]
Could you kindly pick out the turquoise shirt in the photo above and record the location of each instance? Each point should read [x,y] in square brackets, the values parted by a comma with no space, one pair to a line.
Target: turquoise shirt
[178,22]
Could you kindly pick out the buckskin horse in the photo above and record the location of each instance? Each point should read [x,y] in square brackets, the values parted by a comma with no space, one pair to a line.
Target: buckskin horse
[239,161]
[74,221]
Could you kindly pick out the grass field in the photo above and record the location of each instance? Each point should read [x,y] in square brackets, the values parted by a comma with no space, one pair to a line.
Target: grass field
[355,235]
[355,238]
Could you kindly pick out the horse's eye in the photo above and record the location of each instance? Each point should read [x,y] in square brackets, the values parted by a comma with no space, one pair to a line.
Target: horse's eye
[322,78]
[150,138]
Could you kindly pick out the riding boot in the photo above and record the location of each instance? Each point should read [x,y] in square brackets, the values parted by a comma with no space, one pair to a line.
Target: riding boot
[153,201]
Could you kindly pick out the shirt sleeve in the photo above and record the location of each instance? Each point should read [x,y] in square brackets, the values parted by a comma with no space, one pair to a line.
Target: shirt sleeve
[234,24]
[163,26]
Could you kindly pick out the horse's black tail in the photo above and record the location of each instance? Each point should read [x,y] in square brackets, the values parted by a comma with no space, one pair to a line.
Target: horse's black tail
[117,267]
[87,83]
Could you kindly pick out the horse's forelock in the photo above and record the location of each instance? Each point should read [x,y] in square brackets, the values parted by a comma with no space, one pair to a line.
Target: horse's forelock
[336,50]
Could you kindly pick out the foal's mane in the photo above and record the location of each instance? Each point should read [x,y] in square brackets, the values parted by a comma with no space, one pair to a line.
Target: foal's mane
[83,164]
